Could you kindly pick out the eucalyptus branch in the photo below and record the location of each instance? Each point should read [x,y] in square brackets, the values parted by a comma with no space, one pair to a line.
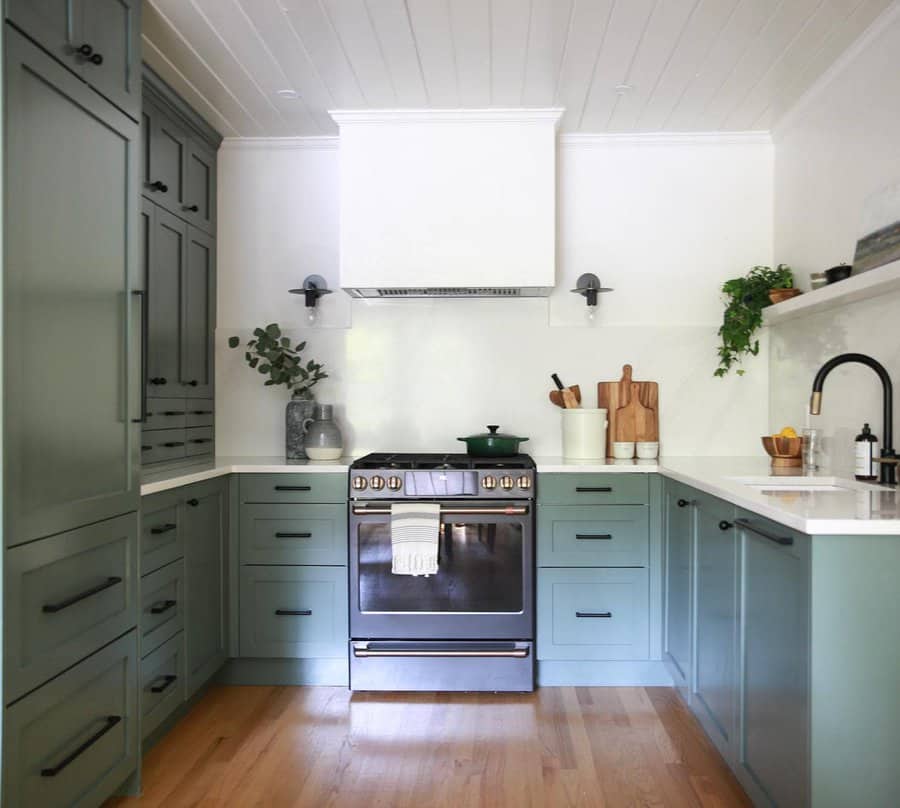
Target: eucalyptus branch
[270,354]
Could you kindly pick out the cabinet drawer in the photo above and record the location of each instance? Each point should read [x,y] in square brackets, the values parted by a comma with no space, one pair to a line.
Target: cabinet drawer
[67,596]
[73,741]
[595,536]
[162,605]
[200,412]
[294,612]
[593,489]
[199,441]
[162,444]
[293,534]
[162,540]
[162,683]
[290,488]
[166,413]
[592,614]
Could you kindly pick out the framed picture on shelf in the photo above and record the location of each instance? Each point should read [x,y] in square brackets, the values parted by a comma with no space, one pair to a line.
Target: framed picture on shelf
[880,242]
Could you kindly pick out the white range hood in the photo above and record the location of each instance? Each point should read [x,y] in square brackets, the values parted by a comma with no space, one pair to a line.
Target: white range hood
[448,203]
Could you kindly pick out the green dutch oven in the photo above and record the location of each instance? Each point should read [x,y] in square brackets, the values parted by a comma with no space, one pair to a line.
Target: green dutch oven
[492,443]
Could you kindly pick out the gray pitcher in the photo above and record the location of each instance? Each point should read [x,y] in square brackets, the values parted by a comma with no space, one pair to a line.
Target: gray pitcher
[323,438]
[298,415]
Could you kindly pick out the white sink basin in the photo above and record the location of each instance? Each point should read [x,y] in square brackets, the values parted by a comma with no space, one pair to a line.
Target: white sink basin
[775,485]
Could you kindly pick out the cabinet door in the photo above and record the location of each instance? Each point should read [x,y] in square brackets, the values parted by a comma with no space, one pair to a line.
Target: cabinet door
[204,553]
[775,660]
[53,24]
[679,549]
[165,182]
[715,676]
[198,302]
[71,249]
[112,28]
[168,266]
[200,194]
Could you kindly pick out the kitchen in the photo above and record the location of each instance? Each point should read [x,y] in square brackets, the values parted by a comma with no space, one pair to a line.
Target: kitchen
[663,148]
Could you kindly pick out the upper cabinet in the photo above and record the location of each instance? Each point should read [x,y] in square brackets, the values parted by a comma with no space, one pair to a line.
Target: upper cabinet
[98,40]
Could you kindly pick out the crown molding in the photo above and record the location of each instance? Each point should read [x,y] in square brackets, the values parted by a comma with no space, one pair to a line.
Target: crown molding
[605,140]
[420,116]
[280,143]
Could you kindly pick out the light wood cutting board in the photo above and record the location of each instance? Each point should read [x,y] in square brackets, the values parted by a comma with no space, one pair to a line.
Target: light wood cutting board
[613,396]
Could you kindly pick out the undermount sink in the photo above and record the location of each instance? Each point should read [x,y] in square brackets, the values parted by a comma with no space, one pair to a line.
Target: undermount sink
[775,485]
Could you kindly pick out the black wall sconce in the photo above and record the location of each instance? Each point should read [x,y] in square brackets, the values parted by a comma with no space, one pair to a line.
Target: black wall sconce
[314,286]
[589,286]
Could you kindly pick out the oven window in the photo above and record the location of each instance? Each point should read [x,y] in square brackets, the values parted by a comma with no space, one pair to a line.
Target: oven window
[479,570]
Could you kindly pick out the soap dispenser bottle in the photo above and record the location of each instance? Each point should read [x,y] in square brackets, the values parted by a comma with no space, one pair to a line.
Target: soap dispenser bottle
[866,451]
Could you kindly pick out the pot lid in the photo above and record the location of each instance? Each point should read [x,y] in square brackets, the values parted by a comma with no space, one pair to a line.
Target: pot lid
[493,433]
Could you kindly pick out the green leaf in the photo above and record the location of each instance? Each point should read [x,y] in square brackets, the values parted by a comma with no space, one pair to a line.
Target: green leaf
[233,342]
[268,383]
[258,332]
[285,342]
[273,331]
[254,362]
[301,347]
[265,368]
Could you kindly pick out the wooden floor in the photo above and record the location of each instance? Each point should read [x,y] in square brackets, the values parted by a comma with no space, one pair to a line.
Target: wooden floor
[322,746]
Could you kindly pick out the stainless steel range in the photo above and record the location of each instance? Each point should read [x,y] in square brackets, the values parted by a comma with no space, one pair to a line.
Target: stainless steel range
[470,626]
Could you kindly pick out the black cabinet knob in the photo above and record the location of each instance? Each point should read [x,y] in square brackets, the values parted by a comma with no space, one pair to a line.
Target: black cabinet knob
[157,380]
[191,208]
[683,503]
[84,50]
[193,502]
[158,185]
[723,525]
[192,383]
[96,59]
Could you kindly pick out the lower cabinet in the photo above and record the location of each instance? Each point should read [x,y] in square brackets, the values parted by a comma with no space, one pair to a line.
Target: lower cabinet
[162,683]
[678,553]
[73,741]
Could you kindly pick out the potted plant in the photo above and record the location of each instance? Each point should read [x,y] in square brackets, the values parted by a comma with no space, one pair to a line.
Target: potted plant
[745,298]
[270,354]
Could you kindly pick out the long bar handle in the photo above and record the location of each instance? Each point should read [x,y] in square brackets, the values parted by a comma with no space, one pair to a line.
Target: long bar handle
[166,528]
[785,541]
[167,681]
[53,608]
[584,489]
[593,536]
[52,771]
[518,653]
[593,614]
[508,510]
[143,419]
[293,612]
[293,488]
[293,535]
[163,606]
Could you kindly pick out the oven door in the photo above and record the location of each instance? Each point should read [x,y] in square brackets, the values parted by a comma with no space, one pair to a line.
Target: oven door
[484,587]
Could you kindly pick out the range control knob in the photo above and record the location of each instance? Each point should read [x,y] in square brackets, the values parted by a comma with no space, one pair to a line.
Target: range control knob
[524,482]
[395,483]
[359,483]
[377,483]
[506,483]
[488,482]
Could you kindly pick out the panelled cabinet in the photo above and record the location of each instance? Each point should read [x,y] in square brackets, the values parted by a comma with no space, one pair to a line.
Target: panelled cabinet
[678,559]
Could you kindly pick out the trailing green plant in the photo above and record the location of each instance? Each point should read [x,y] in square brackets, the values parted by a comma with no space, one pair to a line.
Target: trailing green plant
[270,353]
[745,299]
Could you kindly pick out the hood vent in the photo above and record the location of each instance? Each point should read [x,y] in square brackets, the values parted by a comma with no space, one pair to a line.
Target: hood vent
[402,293]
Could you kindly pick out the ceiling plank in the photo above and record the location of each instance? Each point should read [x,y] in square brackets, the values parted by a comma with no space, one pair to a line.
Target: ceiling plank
[470,25]
[430,22]
[547,37]
[510,23]
[394,32]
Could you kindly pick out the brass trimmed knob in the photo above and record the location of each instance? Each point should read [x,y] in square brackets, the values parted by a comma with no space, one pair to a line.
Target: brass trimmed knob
[394,483]
[524,482]
[506,483]
[377,483]
[488,482]
[360,484]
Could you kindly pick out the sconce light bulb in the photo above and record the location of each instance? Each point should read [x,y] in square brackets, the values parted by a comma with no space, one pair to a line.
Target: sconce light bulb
[312,315]
[591,314]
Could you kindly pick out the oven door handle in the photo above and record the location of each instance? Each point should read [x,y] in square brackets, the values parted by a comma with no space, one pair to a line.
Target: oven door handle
[503,510]
[516,653]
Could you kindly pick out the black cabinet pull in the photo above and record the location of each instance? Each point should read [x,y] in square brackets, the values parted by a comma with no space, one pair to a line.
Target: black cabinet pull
[191,383]
[785,541]
[593,614]
[294,612]
[96,59]
[593,536]
[191,208]
[173,412]
[144,414]
[53,608]
[162,608]
[173,443]
[201,412]
[293,535]
[84,50]
[156,531]
[725,525]
[683,503]
[604,489]
[146,448]
[193,502]
[293,488]
[167,682]
[110,722]
[158,185]
[200,440]
[157,380]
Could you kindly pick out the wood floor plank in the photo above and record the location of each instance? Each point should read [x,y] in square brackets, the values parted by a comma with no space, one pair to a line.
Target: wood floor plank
[315,747]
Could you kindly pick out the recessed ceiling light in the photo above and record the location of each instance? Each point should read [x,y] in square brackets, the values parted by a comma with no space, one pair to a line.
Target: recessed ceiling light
[622,89]
[287,94]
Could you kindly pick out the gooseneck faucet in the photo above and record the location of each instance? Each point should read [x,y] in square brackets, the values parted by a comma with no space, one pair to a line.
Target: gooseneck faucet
[815,404]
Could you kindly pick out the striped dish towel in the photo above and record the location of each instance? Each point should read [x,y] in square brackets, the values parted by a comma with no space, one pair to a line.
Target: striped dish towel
[414,537]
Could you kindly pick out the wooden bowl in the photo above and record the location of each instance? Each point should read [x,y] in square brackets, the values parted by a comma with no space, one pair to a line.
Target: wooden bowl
[777,295]
[785,452]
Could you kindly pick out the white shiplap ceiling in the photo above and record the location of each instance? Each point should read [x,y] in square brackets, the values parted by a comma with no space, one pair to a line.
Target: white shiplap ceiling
[686,65]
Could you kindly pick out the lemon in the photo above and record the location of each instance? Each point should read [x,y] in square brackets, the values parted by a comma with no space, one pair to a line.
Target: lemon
[787,432]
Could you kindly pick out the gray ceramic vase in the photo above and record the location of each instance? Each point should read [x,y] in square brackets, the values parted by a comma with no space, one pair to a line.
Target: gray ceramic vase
[323,438]
[297,417]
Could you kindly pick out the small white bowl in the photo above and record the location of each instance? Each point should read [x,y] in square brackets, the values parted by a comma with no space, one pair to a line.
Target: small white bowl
[647,449]
[623,450]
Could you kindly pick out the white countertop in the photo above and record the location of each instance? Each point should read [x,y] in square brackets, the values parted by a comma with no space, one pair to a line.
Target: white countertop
[858,508]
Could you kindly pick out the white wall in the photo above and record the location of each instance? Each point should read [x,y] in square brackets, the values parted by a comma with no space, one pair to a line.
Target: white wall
[664,222]
[839,146]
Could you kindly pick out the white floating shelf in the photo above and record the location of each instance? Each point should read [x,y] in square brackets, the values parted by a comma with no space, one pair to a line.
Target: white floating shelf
[875,282]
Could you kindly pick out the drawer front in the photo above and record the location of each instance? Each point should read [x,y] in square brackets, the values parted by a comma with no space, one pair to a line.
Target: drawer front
[200,412]
[162,538]
[74,741]
[162,683]
[67,596]
[293,534]
[293,488]
[162,444]
[593,536]
[199,440]
[162,605]
[593,489]
[294,612]
[166,413]
[586,614]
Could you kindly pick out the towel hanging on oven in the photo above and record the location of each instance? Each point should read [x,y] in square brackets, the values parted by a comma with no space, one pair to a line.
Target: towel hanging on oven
[414,537]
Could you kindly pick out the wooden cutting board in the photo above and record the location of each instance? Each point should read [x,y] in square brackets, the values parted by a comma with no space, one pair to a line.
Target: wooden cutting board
[613,396]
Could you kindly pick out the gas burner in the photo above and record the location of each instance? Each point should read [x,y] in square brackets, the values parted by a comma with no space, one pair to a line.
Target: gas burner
[426,461]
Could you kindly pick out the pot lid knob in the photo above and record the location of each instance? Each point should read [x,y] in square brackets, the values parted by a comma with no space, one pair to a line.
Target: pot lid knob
[492,428]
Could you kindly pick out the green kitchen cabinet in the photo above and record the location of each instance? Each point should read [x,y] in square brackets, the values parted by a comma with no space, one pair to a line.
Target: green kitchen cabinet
[592,489]
[200,182]
[162,683]
[164,157]
[53,24]
[71,163]
[204,524]
[593,536]
[678,550]
[294,534]
[198,316]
